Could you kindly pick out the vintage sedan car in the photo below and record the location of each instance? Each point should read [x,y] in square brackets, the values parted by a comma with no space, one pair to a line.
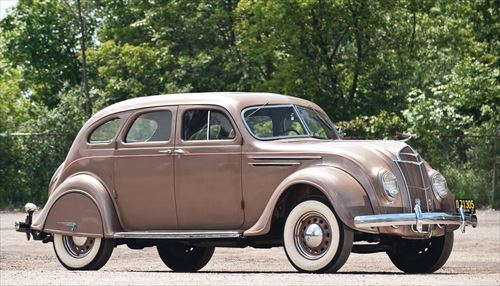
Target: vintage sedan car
[190,172]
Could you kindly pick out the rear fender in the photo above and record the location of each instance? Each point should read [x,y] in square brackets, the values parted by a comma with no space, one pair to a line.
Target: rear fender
[80,206]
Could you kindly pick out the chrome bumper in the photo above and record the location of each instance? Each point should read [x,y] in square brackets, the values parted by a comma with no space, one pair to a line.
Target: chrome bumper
[418,218]
[26,225]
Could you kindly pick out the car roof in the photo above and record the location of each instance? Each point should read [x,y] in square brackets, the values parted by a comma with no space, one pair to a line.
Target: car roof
[232,101]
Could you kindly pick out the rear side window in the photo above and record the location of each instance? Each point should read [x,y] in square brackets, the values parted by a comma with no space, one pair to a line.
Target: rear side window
[105,132]
[150,127]
[206,125]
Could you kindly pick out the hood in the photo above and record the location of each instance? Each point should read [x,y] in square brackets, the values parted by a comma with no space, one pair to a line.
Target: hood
[357,150]
[368,156]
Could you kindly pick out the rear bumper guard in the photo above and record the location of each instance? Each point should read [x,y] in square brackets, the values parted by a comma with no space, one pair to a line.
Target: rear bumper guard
[26,225]
[418,218]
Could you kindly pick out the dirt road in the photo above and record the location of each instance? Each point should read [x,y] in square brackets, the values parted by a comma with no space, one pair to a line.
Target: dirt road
[475,261]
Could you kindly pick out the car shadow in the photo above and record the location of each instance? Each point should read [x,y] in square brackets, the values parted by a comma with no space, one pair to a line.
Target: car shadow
[289,272]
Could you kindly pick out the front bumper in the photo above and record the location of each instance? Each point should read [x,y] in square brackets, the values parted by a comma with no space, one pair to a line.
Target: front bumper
[418,218]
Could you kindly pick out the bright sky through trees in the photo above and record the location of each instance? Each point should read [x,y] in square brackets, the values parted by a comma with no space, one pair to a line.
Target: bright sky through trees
[4,5]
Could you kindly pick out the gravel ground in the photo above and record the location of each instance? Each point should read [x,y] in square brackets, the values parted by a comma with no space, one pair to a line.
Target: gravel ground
[475,260]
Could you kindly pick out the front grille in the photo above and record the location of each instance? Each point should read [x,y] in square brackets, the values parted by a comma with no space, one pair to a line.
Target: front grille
[417,182]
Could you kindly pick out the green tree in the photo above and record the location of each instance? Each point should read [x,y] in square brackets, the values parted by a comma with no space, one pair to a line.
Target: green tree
[39,155]
[12,116]
[40,39]
[125,71]
[455,122]
[380,68]
[340,54]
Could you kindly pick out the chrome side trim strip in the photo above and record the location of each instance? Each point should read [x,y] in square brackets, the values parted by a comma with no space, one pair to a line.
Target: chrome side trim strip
[177,234]
[274,163]
[284,157]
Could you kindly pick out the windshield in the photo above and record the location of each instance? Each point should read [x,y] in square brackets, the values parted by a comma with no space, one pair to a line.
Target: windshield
[318,123]
[285,121]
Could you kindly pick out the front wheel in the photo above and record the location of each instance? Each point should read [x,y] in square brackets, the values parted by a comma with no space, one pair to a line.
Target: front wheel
[185,258]
[421,256]
[82,253]
[314,239]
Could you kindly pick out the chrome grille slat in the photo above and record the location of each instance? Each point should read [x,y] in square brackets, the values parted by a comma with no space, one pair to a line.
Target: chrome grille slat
[417,183]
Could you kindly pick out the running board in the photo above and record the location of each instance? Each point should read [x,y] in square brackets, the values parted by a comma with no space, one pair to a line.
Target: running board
[177,234]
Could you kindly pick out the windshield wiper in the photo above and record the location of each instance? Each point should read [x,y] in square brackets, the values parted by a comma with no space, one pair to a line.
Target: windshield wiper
[256,110]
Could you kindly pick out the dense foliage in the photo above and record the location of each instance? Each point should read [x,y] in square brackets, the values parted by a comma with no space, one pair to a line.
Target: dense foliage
[381,69]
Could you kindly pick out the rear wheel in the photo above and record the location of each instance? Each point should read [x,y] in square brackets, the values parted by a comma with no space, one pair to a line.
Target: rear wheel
[185,258]
[82,253]
[421,256]
[314,239]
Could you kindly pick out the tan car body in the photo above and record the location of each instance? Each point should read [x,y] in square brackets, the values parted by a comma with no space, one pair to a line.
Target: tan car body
[235,184]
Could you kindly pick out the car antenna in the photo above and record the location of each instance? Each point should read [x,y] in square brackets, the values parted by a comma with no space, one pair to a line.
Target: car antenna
[256,110]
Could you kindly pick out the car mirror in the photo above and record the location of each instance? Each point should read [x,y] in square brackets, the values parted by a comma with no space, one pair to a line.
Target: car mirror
[340,133]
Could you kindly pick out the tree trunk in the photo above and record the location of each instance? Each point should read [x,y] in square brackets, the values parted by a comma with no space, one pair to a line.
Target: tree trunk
[88,102]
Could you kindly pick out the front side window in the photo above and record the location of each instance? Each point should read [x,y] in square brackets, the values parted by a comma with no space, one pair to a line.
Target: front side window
[202,124]
[274,122]
[105,132]
[150,127]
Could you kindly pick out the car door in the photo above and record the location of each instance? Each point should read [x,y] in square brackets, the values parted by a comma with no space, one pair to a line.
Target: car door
[144,170]
[207,161]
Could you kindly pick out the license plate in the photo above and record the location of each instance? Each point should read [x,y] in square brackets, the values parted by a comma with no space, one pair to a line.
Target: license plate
[469,206]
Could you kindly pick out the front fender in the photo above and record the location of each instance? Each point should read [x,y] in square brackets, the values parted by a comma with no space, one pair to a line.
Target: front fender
[346,195]
[82,200]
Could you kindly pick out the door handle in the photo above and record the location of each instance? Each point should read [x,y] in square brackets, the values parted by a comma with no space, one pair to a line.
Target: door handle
[166,151]
[179,151]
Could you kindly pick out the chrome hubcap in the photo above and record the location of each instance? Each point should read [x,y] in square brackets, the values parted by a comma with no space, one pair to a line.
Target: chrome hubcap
[79,240]
[78,247]
[312,235]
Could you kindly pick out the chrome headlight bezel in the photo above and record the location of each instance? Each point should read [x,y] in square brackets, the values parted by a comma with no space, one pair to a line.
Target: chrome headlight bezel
[389,184]
[439,185]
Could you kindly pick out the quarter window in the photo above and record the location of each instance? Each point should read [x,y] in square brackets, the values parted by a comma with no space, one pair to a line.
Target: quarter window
[206,125]
[150,127]
[105,132]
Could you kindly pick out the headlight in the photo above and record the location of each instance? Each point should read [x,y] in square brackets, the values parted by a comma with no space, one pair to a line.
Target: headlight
[439,185]
[390,184]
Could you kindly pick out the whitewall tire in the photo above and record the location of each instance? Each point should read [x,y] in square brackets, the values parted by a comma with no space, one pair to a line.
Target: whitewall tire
[82,253]
[314,239]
